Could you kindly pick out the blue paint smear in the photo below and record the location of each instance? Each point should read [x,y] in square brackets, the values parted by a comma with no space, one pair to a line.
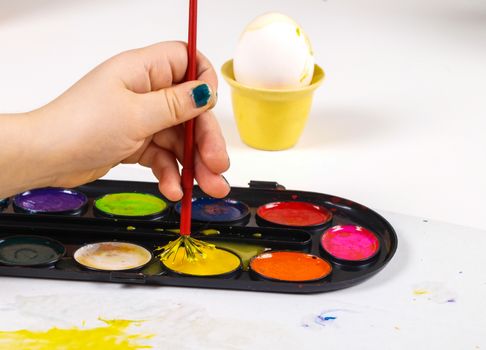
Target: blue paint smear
[327,318]
[217,210]
[323,319]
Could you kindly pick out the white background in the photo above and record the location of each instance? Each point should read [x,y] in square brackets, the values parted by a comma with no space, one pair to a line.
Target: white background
[398,125]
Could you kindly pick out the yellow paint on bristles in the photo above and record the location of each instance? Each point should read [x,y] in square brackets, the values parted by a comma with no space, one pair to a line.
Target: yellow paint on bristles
[194,249]
[112,336]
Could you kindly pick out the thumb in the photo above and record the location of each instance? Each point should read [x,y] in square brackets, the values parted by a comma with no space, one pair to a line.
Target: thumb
[173,105]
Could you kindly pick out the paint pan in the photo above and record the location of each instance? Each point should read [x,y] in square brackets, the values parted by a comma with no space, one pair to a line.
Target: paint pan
[350,243]
[294,214]
[112,256]
[290,266]
[50,200]
[132,205]
[30,251]
[217,210]
[217,263]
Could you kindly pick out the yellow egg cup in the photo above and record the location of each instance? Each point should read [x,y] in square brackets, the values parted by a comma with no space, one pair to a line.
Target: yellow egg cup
[268,119]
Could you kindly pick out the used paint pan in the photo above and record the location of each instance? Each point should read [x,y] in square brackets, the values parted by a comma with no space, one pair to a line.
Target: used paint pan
[131,205]
[350,244]
[23,250]
[218,262]
[294,214]
[60,201]
[112,256]
[290,266]
[217,210]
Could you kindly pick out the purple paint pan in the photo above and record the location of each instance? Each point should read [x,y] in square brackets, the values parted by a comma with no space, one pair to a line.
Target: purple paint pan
[50,201]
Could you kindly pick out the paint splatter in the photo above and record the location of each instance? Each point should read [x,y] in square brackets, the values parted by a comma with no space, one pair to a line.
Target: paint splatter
[174,230]
[436,292]
[326,318]
[113,335]
[210,232]
[420,291]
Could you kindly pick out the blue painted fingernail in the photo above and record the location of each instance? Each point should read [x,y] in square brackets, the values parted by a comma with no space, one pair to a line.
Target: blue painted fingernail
[201,95]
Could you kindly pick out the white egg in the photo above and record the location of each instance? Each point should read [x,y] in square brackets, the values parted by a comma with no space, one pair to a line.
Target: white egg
[274,53]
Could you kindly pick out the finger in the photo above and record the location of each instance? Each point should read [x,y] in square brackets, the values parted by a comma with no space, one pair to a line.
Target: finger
[211,183]
[165,64]
[170,139]
[166,170]
[168,107]
[172,57]
[211,144]
[164,166]
[209,140]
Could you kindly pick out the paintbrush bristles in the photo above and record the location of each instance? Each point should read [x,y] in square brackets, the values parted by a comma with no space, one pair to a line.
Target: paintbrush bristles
[192,248]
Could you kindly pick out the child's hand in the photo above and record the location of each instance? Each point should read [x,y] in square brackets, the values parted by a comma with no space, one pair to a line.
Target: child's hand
[129,110]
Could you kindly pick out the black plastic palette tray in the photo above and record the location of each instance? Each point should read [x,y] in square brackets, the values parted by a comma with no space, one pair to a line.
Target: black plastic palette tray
[75,231]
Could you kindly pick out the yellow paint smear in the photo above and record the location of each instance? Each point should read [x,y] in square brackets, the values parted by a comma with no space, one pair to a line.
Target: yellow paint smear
[420,291]
[216,262]
[112,336]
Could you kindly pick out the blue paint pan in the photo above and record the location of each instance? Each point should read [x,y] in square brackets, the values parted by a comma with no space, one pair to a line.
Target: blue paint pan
[217,210]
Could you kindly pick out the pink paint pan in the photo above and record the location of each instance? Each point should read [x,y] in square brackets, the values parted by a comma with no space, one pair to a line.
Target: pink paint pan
[350,243]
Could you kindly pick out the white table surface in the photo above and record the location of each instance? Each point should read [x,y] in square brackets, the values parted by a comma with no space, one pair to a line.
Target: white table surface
[381,313]
[398,125]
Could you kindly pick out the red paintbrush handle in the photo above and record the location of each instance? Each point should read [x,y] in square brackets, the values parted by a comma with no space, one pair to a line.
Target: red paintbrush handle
[188,160]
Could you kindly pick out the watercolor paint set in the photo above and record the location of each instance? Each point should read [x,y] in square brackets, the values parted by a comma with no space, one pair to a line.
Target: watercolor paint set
[264,237]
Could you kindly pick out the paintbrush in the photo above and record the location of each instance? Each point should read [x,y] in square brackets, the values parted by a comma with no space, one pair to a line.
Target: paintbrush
[193,247]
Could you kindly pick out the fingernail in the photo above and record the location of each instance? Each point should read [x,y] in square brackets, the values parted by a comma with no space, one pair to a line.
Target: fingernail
[226,181]
[201,95]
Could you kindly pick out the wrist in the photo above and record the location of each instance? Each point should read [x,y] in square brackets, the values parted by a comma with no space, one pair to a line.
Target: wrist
[22,157]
